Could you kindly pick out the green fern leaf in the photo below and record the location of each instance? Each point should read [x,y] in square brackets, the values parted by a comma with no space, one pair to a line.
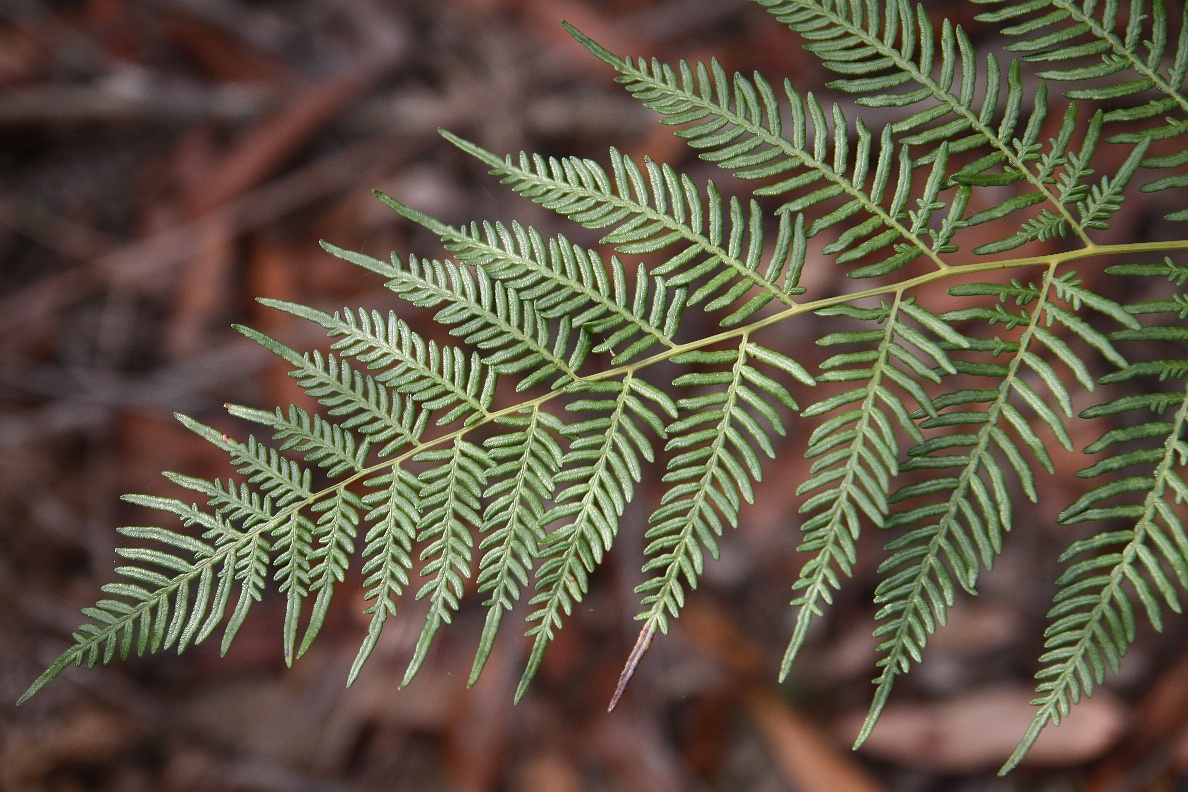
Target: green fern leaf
[526,461]
[449,503]
[975,508]
[530,429]
[1092,618]
[736,124]
[601,468]
[719,443]
[393,502]
[666,210]
[1123,57]
[857,450]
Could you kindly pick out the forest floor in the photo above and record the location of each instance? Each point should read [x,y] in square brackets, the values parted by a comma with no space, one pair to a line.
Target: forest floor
[165,162]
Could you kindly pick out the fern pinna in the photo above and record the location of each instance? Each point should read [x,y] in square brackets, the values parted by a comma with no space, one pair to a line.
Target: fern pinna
[995,175]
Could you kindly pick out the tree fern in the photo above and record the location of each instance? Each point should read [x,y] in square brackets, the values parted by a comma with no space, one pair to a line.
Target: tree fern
[496,465]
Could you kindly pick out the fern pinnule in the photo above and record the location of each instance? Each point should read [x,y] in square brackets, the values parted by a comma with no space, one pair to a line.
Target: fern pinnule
[336,530]
[435,377]
[562,278]
[280,479]
[1093,622]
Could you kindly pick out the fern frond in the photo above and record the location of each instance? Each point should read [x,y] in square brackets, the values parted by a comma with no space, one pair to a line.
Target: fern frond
[932,423]
[234,548]
[600,469]
[511,333]
[449,502]
[1119,58]
[857,451]
[160,616]
[719,443]
[393,503]
[522,481]
[883,47]
[285,531]
[737,124]
[436,377]
[1092,616]
[719,245]
[323,443]
[561,279]
[951,538]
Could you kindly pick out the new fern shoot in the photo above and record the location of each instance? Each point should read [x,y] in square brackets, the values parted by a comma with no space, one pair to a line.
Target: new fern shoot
[944,416]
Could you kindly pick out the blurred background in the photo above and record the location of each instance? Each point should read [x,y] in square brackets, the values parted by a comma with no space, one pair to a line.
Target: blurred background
[163,163]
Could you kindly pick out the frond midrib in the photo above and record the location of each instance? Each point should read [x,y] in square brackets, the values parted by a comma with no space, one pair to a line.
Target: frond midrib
[110,631]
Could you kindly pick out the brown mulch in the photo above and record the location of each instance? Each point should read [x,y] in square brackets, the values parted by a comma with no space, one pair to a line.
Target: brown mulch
[163,163]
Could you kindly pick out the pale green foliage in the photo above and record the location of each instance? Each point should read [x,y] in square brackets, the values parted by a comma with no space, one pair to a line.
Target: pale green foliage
[945,414]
